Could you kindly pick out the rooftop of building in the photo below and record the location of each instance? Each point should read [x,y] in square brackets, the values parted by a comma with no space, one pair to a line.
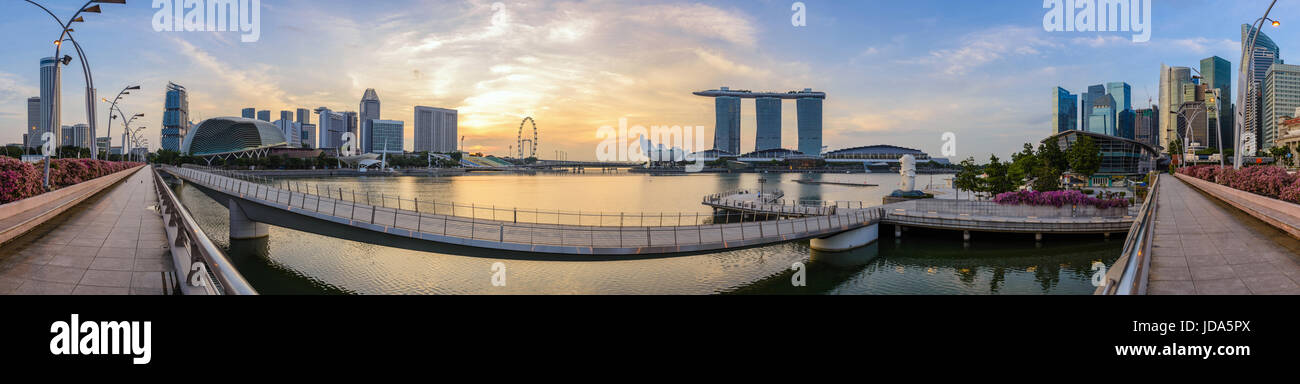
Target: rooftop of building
[875,150]
[806,93]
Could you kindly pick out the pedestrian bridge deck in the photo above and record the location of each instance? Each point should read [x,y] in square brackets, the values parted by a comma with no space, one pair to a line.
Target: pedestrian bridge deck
[533,231]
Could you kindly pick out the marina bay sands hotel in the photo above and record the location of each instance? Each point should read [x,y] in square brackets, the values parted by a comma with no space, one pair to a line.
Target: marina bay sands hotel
[726,135]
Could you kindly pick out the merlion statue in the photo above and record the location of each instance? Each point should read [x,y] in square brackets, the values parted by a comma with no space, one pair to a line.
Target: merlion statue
[907,173]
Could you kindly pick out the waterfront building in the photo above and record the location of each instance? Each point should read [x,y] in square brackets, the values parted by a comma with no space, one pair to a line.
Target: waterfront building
[176,117]
[102,143]
[1288,136]
[369,111]
[1119,156]
[51,112]
[387,136]
[1065,106]
[350,119]
[875,154]
[309,135]
[1086,103]
[726,131]
[249,113]
[287,115]
[1281,89]
[330,126]
[232,136]
[1102,119]
[810,125]
[1265,54]
[435,129]
[264,116]
[33,121]
[768,116]
[726,135]
[1172,80]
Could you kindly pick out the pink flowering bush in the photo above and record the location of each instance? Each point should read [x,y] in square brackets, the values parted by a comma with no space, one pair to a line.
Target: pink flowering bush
[1265,181]
[1057,199]
[20,180]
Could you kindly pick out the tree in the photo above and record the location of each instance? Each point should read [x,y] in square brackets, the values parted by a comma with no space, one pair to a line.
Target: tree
[997,180]
[1280,153]
[1052,157]
[968,177]
[1047,179]
[1084,156]
[1023,165]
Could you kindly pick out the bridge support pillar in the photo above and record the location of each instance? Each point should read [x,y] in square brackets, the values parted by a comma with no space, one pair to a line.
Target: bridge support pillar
[243,228]
[965,235]
[847,240]
[898,231]
[1038,236]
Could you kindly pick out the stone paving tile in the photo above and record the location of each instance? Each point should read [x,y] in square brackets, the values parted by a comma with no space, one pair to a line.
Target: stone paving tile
[94,250]
[1204,247]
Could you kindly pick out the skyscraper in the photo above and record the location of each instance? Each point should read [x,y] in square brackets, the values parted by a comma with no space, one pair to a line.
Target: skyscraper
[264,116]
[77,136]
[292,130]
[726,132]
[1147,126]
[369,111]
[1102,119]
[1217,74]
[1281,98]
[1123,95]
[249,113]
[1265,54]
[304,116]
[1065,106]
[33,121]
[1172,80]
[176,117]
[1193,125]
[769,123]
[309,136]
[330,126]
[1087,100]
[810,125]
[352,125]
[387,136]
[435,129]
[50,110]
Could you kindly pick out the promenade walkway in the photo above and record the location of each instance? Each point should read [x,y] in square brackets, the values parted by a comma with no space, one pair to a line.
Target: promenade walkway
[1203,246]
[110,244]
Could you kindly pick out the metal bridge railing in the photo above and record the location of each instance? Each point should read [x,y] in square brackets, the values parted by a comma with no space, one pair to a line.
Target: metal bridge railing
[204,268]
[532,227]
[1129,274]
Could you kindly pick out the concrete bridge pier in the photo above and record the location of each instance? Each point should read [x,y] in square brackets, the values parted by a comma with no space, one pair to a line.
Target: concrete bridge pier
[243,228]
[847,240]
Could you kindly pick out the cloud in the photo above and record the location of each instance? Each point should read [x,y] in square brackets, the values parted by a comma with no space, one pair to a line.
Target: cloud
[1202,45]
[983,47]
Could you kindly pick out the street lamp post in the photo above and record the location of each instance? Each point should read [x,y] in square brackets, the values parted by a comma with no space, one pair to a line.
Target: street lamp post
[111,108]
[1186,131]
[1247,61]
[66,33]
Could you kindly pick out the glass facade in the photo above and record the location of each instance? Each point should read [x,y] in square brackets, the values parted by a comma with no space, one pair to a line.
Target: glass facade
[435,129]
[369,111]
[1102,118]
[726,132]
[176,117]
[248,113]
[1065,106]
[810,126]
[386,136]
[1281,98]
[1119,156]
[769,123]
[1086,102]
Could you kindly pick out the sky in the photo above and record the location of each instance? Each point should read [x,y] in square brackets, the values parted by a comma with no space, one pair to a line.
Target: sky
[895,72]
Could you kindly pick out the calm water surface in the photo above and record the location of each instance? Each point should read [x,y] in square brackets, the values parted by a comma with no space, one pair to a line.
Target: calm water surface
[921,262]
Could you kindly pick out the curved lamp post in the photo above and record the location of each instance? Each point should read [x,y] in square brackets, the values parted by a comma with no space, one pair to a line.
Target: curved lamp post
[112,107]
[1247,61]
[1187,131]
[66,33]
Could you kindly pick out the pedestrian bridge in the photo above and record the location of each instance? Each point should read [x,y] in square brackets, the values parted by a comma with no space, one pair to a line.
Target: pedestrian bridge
[255,202]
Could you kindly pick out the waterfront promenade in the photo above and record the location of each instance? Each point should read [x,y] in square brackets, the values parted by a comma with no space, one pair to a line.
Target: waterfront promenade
[112,244]
[1203,246]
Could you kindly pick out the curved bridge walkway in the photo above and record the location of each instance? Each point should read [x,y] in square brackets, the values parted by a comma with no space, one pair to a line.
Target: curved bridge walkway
[534,231]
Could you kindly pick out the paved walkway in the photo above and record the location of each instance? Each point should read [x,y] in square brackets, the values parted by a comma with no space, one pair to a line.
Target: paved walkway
[1203,246]
[109,244]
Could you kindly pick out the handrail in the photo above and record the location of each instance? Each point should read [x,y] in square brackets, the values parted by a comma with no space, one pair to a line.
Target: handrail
[630,235]
[197,258]
[515,214]
[1131,278]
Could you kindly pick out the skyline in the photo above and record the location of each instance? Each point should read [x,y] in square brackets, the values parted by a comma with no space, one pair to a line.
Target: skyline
[979,70]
